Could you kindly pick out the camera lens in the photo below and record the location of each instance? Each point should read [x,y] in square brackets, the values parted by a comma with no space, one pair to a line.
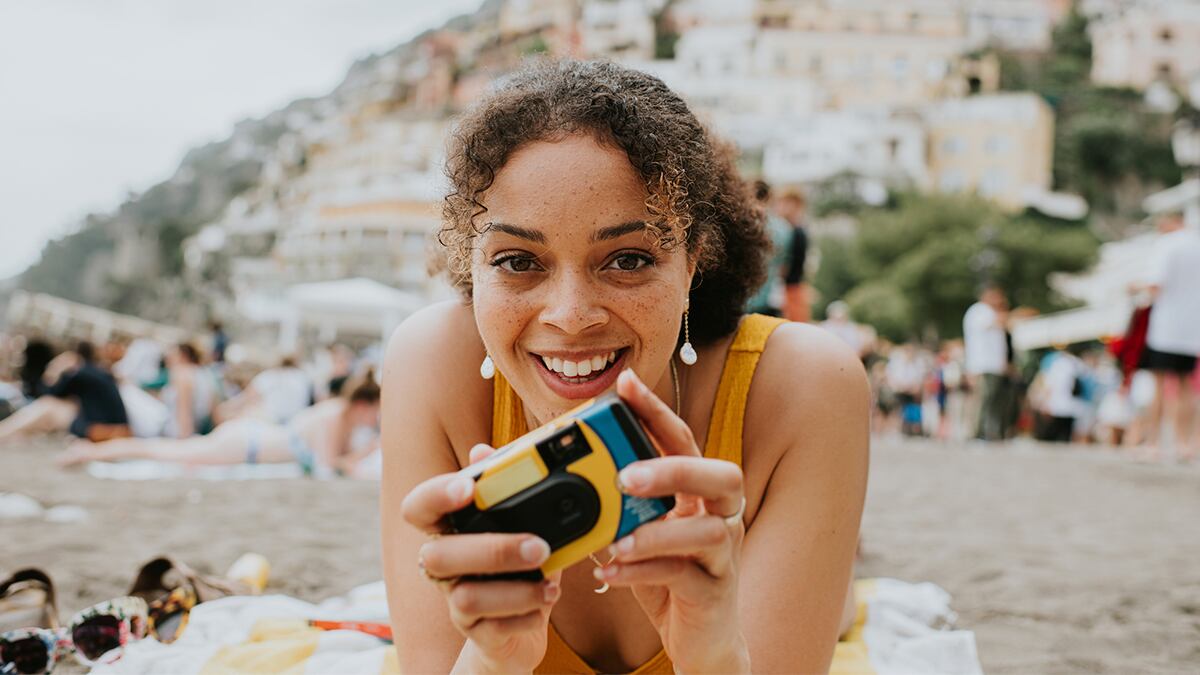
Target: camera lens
[566,505]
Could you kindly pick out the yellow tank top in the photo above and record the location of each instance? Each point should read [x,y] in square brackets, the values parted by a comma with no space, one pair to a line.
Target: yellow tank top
[724,442]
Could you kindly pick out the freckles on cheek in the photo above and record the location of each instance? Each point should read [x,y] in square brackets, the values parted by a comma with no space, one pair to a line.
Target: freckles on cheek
[501,319]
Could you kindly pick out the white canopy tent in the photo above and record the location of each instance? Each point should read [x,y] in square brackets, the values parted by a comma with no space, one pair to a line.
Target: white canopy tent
[358,306]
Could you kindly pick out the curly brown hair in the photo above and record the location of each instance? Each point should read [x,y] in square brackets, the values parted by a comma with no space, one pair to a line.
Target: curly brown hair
[695,193]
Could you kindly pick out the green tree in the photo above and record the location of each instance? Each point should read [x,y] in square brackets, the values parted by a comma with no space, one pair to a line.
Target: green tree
[912,270]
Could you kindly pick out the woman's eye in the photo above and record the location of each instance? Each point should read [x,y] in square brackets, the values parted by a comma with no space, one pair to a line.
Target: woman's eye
[629,262]
[515,263]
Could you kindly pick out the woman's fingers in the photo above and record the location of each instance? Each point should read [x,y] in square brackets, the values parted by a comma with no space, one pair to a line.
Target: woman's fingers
[706,539]
[468,554]
[492,634]
[657,572]
[672,433]
[429,502]
[717,482]
[473,601]
[480,452]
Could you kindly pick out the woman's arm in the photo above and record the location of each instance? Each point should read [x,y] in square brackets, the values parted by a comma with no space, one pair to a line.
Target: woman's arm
[431,405]
[415,448]
[811,394]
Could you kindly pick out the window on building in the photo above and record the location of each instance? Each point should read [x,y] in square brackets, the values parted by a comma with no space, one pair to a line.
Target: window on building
[953,145]
[997,144]
[952,180]
[994,182]
[900,67]
[1166,35]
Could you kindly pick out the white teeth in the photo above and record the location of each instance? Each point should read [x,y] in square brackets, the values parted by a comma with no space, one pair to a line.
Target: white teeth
[581,368]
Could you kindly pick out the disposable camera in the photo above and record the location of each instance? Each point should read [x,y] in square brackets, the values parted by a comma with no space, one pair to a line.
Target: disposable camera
[559,482]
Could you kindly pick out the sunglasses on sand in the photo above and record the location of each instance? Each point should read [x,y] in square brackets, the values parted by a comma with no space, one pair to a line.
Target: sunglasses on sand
[96,635]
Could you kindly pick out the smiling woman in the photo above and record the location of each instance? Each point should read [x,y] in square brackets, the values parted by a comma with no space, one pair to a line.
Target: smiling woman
[593,226]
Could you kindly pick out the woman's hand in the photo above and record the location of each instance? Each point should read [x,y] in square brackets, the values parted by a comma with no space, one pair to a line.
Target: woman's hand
[504,621]
[683,569]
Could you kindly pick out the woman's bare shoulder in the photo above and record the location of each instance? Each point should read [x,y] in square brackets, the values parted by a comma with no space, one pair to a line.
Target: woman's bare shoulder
[434,356]
[810,377]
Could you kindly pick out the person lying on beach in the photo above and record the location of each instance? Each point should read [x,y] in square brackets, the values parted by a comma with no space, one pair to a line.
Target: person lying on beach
[603,240]
[319,438]
[81,397]
[275,394]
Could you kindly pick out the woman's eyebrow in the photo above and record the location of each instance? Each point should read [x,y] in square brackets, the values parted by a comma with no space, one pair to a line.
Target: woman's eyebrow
[618,231]
[517,231]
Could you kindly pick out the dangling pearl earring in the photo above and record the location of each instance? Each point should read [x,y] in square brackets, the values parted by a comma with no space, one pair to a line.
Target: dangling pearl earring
[487,369]
[687,353]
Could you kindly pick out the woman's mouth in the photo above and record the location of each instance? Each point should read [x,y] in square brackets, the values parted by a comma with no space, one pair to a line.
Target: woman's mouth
[580,376]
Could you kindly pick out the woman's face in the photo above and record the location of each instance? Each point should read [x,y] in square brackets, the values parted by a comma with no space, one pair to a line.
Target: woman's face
[570,288]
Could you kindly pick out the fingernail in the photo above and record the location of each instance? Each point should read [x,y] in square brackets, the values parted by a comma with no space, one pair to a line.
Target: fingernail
[535,550]
[625,545]
[551,591]
[460,488]
[633,478]
[606,572]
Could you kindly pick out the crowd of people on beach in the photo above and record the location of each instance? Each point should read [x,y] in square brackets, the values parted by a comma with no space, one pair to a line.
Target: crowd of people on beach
[1139,391]
[143,399]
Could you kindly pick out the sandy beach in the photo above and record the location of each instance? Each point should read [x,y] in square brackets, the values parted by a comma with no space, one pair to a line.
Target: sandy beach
[1059,560]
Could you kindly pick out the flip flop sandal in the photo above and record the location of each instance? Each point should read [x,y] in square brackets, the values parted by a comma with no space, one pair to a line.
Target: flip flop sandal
[171,589]
[27,601]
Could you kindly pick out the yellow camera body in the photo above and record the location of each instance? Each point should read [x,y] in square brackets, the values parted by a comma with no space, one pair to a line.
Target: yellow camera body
[559,482]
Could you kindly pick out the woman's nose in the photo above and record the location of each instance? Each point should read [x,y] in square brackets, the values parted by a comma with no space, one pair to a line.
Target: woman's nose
[572,305]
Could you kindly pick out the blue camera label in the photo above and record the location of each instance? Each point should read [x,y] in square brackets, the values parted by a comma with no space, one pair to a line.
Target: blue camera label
[635,511]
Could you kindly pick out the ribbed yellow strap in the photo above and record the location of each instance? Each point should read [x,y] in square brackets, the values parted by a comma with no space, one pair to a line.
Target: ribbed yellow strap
[729,408]
[508,413]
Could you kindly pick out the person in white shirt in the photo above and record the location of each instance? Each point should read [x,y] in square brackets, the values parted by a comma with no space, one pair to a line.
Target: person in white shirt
[1062,403]
[986,362]
[1173,336]
[275,395]
[839,323]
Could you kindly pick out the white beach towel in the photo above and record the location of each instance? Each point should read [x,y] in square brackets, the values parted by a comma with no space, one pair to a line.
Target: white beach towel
[900,632]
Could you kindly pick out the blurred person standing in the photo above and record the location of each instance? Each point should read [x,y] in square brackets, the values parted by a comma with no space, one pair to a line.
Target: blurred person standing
[769,298]
[1060,397]
[954,391]
[220,342]
[838,322]
[797,305]
[906,373]
[1173,334]
[987,359]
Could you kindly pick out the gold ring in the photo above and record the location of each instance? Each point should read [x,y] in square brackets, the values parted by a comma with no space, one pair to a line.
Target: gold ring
[736,519]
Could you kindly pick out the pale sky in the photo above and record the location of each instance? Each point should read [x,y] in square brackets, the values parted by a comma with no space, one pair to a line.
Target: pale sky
[98,98]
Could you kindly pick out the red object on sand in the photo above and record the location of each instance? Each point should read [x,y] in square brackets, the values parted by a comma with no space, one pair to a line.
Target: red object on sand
[379,630]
